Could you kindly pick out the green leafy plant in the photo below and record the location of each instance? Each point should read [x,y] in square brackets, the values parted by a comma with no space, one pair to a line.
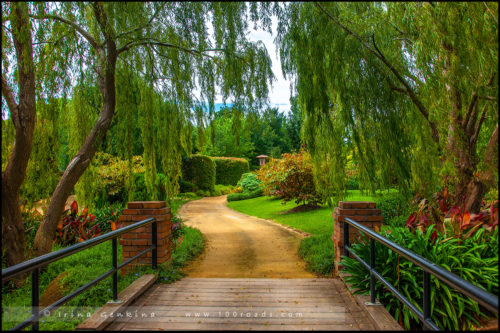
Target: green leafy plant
[186,186]
[222,189]
[249,182]
[107,218]
[393,205]
[475,259]
[244,195]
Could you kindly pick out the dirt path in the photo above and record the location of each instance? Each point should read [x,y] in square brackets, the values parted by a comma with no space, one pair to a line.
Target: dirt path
[238,245]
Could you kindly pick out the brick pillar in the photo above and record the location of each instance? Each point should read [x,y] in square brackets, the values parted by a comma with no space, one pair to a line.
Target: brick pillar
[363,212]
[135,241]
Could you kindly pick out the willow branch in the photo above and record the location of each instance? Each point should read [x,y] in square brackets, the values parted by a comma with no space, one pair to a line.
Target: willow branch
[411,93]
[11,102]
[479,124]
[75,26]
[470,117]
[143,26]
[490,12]
[102,20]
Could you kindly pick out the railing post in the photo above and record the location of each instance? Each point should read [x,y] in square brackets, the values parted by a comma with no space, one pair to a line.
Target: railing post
[346,238]
[372,268]
[427,298]
[154,255]
[35,299]
[115,267]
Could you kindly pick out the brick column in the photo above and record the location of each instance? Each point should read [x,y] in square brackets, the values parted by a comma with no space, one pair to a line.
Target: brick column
[363,212]
[135,241]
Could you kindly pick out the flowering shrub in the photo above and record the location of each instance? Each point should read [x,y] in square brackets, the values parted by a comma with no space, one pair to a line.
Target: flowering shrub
[291,178]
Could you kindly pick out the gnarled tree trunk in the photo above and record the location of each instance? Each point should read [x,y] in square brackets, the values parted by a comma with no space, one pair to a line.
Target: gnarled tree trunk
[107,54]
[23,115]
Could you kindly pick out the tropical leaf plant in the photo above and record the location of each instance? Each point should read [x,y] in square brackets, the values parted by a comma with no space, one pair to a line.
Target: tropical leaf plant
[475,259]
[74,227]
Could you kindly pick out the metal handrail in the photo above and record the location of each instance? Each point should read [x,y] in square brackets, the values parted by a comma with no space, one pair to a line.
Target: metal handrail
[488,300]
[35,264]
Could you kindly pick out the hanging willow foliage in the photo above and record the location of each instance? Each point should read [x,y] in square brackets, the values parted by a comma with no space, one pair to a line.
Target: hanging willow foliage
[81,114]
[404,82]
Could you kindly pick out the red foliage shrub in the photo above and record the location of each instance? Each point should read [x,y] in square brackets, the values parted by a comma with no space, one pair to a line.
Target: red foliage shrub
[290,178]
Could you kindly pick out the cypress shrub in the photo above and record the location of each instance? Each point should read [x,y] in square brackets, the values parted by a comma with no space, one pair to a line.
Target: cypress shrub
[199,170]
[228,170]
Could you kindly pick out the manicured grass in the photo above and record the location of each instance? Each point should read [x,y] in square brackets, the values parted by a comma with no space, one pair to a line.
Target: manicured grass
[316,250]
[317,221]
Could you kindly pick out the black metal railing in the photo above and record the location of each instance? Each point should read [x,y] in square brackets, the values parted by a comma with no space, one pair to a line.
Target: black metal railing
[486,299]
[34,265]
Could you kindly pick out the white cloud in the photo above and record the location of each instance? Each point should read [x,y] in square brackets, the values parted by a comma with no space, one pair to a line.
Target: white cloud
[279,95]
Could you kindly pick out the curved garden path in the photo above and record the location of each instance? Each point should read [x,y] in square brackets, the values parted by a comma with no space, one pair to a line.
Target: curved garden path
[241,246]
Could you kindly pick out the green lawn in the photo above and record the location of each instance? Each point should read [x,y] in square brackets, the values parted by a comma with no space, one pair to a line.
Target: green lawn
[316,250]
[315,222]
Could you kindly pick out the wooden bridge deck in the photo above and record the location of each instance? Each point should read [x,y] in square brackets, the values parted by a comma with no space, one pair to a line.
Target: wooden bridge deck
[245,304]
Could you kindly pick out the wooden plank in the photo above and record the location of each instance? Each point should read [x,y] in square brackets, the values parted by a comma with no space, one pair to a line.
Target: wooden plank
[274,294]
[333,320]
[259,290]
[234,303]
[261,312]
[97,322]
[235,327]
[378,316]
[323,304]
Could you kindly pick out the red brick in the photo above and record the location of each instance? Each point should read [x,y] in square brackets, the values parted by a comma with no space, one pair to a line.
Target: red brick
[157,211]
[135,204]
[154,204]
[347,212]
[356,204]
[141,242]
[130,211]
[368,211]
[138,218]
[129,235]
[144,235]
[125,242]
[124,218]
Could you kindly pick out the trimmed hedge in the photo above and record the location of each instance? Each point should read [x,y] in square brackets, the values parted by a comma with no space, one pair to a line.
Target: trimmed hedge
[228,170]
[244,195]
[186,186]
[199,170]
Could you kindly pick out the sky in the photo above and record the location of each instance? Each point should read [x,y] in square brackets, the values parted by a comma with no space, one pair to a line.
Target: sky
[279,93]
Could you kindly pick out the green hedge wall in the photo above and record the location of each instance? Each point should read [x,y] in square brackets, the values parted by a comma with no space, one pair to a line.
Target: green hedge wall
[228,170]
[199,170]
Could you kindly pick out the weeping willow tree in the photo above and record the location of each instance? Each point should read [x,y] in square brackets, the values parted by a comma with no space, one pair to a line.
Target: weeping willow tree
[166,44]
[413,85]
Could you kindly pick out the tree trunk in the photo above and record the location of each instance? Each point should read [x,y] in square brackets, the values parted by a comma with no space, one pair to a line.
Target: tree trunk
[23,115]
[106,82]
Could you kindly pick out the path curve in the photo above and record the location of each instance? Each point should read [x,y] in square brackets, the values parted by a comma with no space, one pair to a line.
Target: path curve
[239,245]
